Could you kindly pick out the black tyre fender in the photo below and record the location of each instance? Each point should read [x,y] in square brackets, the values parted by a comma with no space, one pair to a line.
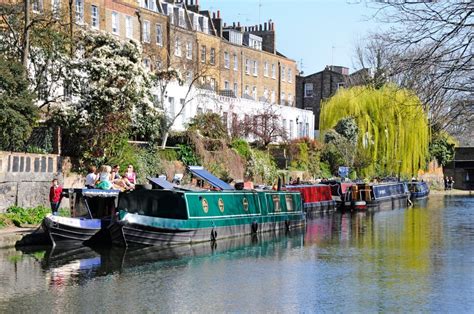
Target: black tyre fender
[254,227]
[213,235]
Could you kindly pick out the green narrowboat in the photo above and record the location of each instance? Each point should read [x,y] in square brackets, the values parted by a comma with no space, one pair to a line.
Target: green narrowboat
[173,216]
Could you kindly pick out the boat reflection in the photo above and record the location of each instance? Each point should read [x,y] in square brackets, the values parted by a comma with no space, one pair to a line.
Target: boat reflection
[67,266]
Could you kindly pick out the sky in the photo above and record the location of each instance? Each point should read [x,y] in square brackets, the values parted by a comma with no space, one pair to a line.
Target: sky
[314,33]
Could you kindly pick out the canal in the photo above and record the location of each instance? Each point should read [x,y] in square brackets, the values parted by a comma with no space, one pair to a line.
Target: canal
[419,259]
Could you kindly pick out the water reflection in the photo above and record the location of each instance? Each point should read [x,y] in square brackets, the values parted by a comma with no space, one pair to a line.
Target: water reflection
[411,260]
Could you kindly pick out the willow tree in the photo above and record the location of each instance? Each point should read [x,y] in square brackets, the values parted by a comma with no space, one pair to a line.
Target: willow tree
[393,128]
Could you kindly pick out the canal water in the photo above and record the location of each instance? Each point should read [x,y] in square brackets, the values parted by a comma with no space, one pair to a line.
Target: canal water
[419,259]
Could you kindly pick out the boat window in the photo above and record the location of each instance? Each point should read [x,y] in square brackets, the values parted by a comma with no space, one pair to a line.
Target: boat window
[154,203]
[289,202]
[276,202]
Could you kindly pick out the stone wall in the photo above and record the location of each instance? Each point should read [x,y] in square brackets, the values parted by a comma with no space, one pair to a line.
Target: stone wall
[25,179]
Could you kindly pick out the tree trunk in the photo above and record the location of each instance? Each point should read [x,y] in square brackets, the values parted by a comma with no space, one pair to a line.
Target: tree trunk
[164,139]
[26,37]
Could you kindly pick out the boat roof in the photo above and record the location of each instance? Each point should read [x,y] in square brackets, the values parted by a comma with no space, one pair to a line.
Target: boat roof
[162,183]
[203,174]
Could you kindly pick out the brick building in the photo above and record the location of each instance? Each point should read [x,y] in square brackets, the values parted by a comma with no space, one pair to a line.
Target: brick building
[234,61]
[319,86]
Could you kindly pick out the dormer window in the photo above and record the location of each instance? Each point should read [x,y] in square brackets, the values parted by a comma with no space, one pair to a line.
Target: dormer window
[182,21]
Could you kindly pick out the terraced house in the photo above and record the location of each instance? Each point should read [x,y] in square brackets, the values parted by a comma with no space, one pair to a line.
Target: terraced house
[239,66]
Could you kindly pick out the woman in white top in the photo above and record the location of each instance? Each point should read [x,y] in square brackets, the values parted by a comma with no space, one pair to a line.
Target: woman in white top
[91,177]
[104,178]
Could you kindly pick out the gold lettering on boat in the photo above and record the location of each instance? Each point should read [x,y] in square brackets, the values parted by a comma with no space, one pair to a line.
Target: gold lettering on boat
[205,205]
[220,202]
[245,203]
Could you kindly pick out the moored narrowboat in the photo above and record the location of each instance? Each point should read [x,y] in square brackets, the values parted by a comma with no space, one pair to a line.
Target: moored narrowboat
[91,212]
[168,217]
[316,197]
[362,196]
[418,190]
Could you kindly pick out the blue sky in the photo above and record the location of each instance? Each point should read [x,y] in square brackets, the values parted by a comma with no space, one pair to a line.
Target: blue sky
[316,32]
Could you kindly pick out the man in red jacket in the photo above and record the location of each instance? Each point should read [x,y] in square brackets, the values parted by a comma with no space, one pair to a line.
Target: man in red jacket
[55,196]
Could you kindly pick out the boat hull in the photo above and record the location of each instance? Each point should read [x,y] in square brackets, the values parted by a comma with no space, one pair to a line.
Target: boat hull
[70,231]
[126,233]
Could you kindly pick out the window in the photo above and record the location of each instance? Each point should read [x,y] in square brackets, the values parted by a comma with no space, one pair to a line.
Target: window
[203,54]
[189,77]
[213,83]
[236,62]
[272,96]
[247,90]
[226,60]
[282,73]
[247,66]
[283,96]
[56,8]
[128,27]
[340,85]
[146,31]
[182,104]
[171,106]
[177,47]
[182,21]
[284,125]
[115,23]
[212,56]
[290,99]
[94,16]
[308,90]
[255,68]
[226,85]
[290,76]
[79,11]
[189,50]
[236,89]
[254,92]
[37,6]
[306,130]
[291,129]
[224,119]
[273,71]
[265,69]
[159,35]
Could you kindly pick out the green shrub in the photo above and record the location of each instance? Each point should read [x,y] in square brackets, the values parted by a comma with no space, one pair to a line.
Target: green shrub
[168,154]
[187,155]
[209,124]
[31,216]
[242,147]
[261,167]
[149,162]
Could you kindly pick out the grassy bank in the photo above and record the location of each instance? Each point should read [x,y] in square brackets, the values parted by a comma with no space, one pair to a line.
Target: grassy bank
[19,216]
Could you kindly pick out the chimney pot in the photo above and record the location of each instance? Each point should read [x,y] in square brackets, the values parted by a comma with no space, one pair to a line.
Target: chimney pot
[213,15]
[233,24]
[238,24]
[218,14]
[265,26]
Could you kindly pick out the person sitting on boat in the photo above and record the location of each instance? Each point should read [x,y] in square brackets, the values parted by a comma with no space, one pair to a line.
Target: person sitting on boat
[104,182]
[130,175]
[91,177]
[55,196]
